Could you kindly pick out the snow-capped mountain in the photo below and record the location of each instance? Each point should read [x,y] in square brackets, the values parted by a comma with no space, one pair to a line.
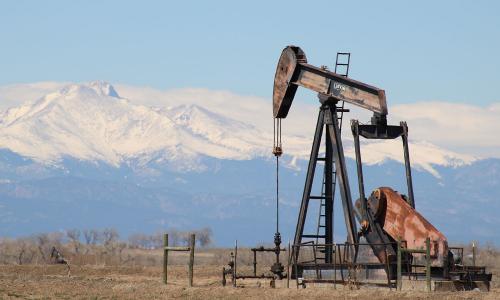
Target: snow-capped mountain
[80,152]
[91,122]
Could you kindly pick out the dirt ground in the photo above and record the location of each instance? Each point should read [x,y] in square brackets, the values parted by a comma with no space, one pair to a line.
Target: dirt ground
[106,282]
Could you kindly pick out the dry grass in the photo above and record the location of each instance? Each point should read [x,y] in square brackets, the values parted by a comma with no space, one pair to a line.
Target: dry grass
[144,282]
[99,282]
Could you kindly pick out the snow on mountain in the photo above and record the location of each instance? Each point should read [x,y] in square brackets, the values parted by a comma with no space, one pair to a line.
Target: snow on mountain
[217,129]
[423,155]
[92,122]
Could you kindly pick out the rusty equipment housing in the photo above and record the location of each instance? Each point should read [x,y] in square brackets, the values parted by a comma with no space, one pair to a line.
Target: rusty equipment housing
[387,218]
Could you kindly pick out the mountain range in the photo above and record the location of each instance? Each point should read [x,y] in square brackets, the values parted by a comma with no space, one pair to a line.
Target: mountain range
[84,157]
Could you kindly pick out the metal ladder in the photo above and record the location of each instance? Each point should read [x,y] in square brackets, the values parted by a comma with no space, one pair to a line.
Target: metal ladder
[342,63]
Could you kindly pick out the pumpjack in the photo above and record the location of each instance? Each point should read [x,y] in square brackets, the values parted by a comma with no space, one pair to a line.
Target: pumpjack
[385,217]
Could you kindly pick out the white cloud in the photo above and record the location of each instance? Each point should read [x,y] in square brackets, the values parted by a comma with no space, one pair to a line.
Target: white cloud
[464,128]
[16,94]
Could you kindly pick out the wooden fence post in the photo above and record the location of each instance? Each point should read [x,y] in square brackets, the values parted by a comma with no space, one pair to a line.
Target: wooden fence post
[189,249]
[191,258]
[473,254]
[428,263]
[288,267]
[335,266]
[296,271]
[234,265]
[165,257]
[399,279]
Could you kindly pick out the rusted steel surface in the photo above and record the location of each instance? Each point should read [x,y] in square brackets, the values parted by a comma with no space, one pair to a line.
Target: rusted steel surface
[341,88]
[401,221]
[283,93]
[293,71]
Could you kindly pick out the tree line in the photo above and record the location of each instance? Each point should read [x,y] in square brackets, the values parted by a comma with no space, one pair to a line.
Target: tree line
[92,245]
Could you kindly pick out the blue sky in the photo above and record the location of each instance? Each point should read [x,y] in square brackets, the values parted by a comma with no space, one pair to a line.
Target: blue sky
[446,50]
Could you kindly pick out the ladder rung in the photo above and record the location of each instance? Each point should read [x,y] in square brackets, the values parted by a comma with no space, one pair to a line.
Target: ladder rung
[321,158]
[313,236]
[317,197]
[322,226]
[342,64]
[308,261]
[312,261]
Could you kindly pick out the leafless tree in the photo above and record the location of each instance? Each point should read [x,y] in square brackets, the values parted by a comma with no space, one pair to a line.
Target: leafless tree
[156,240]
[30,250]
[74,238]
[174,237]
[204,236]
[87,235]
[185,237]
[98,246]
[136,240]
[42,243]
[6,250]
[22,248]
[95,236]
[110,238]
[144,241]
[120,247]
[56,238]
[45,241]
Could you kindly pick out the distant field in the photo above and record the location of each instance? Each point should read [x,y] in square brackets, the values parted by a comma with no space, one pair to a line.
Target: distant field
[91,281]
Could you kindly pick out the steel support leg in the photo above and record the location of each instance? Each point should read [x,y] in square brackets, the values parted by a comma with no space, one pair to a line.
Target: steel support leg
[342,179]
[411,198]
[359,167]
[299,230]
[328,197]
